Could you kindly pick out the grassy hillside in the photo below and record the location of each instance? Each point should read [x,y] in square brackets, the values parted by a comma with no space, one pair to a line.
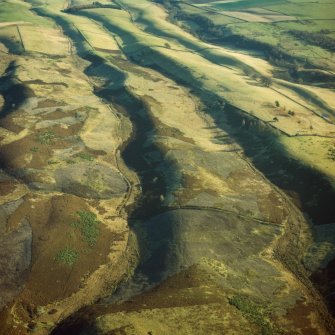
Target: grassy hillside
[269,26]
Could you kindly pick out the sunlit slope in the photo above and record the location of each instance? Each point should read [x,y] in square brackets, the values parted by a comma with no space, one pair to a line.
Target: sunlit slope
[58,175]
[237,77]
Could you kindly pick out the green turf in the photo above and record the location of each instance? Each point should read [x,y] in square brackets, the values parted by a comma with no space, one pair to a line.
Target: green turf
[67,256]
[12,12]
[309,25]
[277,35]
[310,11]
[216,18]
[246,4]
[89,226]
[313,17]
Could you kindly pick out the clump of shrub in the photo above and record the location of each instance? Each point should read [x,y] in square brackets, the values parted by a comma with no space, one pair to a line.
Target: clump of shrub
[255,313]
[266,81]
[88,225]
[316,38]
[85,156]
[47,137]
[67,256]
[331,153]
[34,149]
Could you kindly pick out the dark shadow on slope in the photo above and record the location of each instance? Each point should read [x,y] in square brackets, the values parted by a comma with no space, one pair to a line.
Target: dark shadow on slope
[135,154]
[14,46]
[311,191]
[113,90]
[259,141]
[14,92]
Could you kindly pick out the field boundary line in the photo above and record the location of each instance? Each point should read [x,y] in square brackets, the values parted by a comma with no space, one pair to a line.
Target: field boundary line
[18,30]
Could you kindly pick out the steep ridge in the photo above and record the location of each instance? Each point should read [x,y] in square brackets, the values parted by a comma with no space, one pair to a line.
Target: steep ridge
[64,236]
[258,133]
[163,239]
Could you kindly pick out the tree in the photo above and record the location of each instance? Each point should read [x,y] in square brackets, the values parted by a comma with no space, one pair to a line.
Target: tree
[266,81]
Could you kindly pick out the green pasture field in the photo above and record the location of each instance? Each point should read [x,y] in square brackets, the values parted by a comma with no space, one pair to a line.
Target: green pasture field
[12,11]
[242,4]
[216,18]
[312,17]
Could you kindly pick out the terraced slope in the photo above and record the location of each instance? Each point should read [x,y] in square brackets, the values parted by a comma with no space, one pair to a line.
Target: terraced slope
[152,183]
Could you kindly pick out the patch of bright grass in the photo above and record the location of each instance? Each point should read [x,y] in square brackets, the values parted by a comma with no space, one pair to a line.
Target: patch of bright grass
[85,156]
[89,226]
[67,256]
[255,314]
[34,149]
[47,137]
[15,11]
